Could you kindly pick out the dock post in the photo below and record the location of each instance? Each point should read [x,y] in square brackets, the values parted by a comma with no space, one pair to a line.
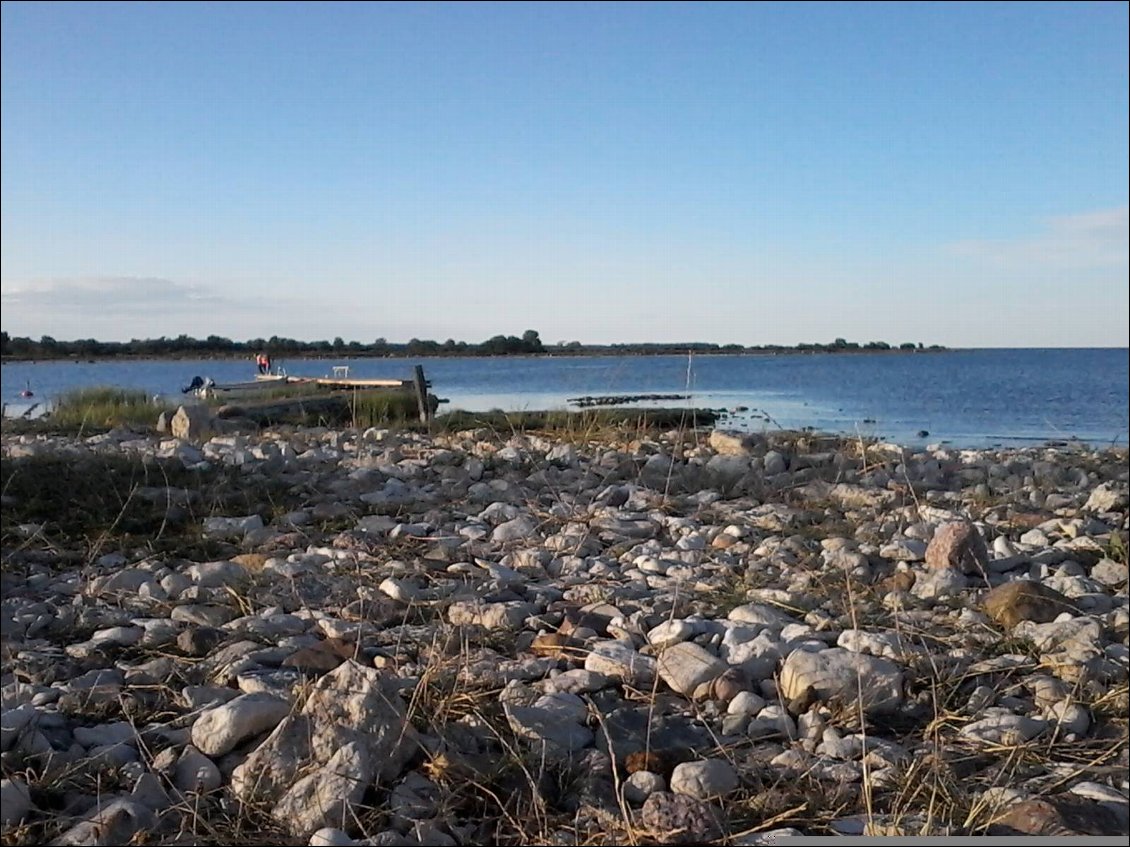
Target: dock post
[422,395]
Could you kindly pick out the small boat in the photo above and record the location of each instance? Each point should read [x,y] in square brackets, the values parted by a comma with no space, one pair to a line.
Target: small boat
[208,387]
[27,392]
[339,379]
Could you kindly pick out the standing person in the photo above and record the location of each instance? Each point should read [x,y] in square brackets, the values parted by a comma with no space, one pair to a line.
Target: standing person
[266,363]
[261,362]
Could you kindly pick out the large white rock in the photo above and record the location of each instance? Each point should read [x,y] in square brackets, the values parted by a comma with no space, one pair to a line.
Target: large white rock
[757,655]
[195,772]
[220,574]
[352,707]
[1004,728]
[772,721]
[191,423]
[839,675]
[620,661]
[887,645]
[547,726]
[492,616]
[1069,717]
[760,614]
[704,779]
[935,584]
[517,529]
[219,730]
[686,665]
[330,794]
[114,822]
[1107,497]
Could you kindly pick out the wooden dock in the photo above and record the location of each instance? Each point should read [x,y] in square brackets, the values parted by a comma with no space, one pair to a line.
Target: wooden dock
[339,380]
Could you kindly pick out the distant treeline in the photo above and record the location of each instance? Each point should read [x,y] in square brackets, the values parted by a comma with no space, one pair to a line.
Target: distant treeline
[529,343]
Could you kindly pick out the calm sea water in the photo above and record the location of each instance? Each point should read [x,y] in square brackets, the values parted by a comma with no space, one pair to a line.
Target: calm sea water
[966,397]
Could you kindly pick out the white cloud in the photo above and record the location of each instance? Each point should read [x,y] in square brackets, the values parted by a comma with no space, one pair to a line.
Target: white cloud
[117,308]
[1086,241]
[121,294]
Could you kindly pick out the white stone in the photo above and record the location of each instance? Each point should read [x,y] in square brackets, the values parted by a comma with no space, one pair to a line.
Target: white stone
[756,655]
[191,423]
[745,703]
[330,837]
[1004,728]
[219,574]
[548,726]
[641,785]
[518,529]
[620,661]
[1107,497]
[1067,716]
[933,584]
[887,645]
[331,793]
[845,677]
[686,665]
[704,779]
[195,772]
[222,728]
[772,721]
[351,704]
[670,632]
[492,616]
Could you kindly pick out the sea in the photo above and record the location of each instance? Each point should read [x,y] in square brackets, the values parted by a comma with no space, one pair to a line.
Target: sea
[963,398]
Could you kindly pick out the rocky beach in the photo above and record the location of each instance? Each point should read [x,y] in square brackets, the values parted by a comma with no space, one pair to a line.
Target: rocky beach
[316,636]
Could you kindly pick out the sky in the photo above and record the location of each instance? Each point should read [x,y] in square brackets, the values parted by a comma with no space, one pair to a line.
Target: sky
[763,173]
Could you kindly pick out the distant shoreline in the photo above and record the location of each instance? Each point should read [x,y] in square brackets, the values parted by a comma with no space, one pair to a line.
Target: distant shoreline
[600,352]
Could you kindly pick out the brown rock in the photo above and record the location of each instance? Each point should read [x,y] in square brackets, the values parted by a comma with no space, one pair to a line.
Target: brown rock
[732,443]
[723,540]
[251,561]
[323,656]
[679,819]
[556,646]
[1061,815]
[726,687]
[200,640]
[899,581]
[958,545]
[655,761]
[1023,600]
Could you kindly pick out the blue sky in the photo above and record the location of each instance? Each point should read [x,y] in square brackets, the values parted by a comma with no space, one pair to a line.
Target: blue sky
[749,173]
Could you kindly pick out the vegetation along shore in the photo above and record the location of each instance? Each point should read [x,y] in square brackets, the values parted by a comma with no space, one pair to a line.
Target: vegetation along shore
[530,343]
[567,631]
